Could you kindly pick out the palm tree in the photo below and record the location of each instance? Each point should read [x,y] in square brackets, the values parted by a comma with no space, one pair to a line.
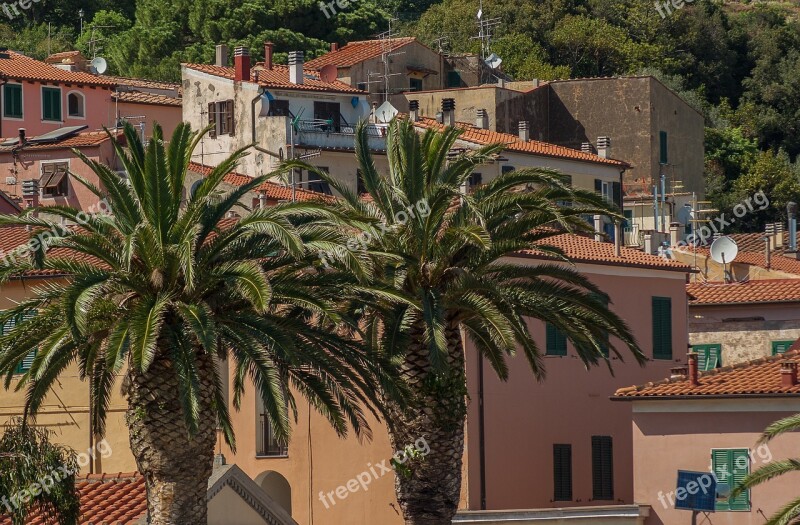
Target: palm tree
[163,289]
[436,262]
[790,512]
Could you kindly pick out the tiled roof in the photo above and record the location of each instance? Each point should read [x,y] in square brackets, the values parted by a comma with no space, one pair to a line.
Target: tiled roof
[118,499]
[56,58]
[356,52]
[579,248]
[278,78]
[754,291]
[480,136]
[137,97]
[142,83]
[21,67]
[81,140]
[273,191]
[777,261]
[14,237]
[761,377]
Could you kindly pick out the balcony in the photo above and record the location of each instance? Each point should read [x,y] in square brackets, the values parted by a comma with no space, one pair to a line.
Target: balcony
[267,444]
[329,134]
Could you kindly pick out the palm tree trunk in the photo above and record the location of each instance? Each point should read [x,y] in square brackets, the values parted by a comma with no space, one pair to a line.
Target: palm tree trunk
[176,467]
[429,487]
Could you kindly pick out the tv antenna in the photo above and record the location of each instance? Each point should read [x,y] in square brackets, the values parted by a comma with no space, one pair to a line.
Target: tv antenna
[387,52]
[486,29]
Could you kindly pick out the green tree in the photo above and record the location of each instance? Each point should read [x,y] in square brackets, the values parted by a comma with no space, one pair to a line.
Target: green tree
[29,460]
[437,265]
[163,289]
[773,174]
[790,512]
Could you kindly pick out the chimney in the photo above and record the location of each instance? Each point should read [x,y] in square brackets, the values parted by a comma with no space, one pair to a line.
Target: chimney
[262,200]
[296,67]
[482,120]
[674,233]
[779,237]
[334,47]
[617,239]
[524,131]
[604,147]
[22,138]
[693,369]
[768,251]
[648,243]
[598,228]
[268,55]
[413,110]
[789,374]
[792,209]
[586,147]
[769,231]
[449,111]
[241,64]
[222,55]
[679,373]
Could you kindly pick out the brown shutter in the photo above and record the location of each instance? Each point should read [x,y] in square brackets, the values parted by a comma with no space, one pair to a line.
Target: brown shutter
[229,118]
[212,119]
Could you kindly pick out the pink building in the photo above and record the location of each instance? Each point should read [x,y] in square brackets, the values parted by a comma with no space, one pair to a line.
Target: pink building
[146,102]
[52,163]
[41,97]
[712,422]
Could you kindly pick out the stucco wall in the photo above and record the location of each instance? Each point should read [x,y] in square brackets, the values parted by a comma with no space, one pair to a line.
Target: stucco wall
[673,435]
[167,116]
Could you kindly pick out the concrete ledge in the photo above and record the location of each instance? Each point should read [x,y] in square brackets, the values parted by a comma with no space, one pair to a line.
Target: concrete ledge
[606,515]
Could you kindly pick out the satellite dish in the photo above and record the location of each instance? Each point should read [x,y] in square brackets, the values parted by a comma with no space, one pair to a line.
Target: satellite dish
[724,250]
[100,65]
[493,61]
[265,103]
[329,73]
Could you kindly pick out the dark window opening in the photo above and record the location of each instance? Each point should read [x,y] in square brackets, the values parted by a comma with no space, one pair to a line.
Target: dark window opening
[562,472]
[602,468]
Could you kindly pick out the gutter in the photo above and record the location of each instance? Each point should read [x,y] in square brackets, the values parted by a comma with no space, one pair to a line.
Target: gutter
[700,397]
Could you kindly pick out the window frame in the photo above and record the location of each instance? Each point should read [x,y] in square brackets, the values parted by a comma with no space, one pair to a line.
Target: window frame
[53,90]
[82,99]
[602,468]
[728,506]
[21,116]
[555,341]
[776,343]
[658,340]
[567,481]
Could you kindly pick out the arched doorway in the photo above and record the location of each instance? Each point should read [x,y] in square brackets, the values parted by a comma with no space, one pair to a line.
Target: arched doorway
[277,487]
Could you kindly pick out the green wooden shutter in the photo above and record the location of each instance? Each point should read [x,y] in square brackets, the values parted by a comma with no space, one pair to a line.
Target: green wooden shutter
[26,363]
[709,356]
[51,100]
[662,143]
[562,472]
[731,466]
[556,341]
[602,468]
[12,100]
[662,328]
[780,347]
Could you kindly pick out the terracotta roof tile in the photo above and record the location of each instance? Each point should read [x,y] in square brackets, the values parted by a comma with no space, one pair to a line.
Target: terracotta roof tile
[137,97]
[21,67]
[356,52]
[56,58]
[278,78]
[755,291]
[761,377]
[142,83]
[480,136]
[273,191]
[13,238]
[579,248]
[106,499]
[777,262]
[81,140]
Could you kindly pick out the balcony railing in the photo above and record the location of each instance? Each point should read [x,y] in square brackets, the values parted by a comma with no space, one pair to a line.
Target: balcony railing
[267,444]
[632,237]
[342,127]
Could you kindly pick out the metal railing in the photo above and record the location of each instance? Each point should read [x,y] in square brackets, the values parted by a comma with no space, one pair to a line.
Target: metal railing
[267,444]
[328,126]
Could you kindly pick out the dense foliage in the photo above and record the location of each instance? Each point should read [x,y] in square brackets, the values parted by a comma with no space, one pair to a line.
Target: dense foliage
[737,62]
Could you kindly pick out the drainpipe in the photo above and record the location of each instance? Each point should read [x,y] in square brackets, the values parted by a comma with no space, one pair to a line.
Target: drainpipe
[3,81]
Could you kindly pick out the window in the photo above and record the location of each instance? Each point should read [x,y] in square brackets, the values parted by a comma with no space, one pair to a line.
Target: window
[709,356]
[26,363]
[51,104]
[555,341]
[75,105]
[330,111]
[602,468]
[506,169]
[453,79]
[780,347]
[662,147]
[12,100]
[476,179]
[415,84]
[220,114]
[731,466]
[562,472]
[362,86]
[315,183]
[611,191]
[54,181]
[267,443]
[279,108]
[662,328]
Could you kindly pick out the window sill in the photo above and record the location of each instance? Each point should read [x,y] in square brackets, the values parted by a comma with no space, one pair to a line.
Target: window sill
[285,456]
[6,117]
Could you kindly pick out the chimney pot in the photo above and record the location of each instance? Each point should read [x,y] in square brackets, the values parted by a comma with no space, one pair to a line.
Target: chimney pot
[604,146]
[789,374]
[241,64]
[334,47]
[268,47]
[598,228]
[617,239]
[674,233]
[648,243]
[413,110]
[586,147]
[296,67]
[679,372]
[482,119]
[22,138]
[524,131]
[221,55]
[693,369]
[449,111]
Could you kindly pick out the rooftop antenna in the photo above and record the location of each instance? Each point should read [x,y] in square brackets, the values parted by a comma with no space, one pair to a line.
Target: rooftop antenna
[486,28]
[384,76]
